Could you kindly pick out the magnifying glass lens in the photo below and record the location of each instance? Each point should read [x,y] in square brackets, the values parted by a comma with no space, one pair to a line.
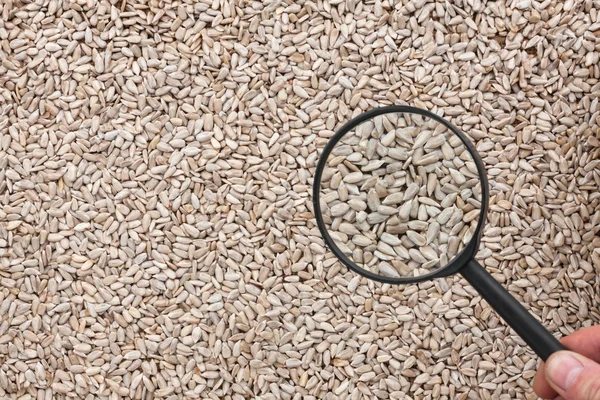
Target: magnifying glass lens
[400,195]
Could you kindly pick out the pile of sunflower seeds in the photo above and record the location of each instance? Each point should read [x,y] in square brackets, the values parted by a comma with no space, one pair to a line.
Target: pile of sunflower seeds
[157,237]
[400,195]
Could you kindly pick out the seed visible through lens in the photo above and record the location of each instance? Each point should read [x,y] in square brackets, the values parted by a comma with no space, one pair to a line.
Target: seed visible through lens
[403,193]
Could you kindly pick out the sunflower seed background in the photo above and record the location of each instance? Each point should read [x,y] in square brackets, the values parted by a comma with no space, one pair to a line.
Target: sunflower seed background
[156,232]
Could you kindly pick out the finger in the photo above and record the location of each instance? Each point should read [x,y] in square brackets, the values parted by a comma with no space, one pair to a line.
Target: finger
[585,342]
[573,376]
[541,387]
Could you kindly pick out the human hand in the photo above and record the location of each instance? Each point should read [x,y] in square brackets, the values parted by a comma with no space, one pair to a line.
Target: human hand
[570,375]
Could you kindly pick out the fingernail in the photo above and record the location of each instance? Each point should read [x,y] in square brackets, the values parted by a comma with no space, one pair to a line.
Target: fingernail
[563,369]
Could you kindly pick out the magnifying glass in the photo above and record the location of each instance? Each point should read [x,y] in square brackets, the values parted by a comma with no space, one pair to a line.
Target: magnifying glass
[400,196]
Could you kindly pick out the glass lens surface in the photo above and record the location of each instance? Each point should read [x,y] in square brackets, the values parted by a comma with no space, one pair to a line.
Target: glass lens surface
[400,195]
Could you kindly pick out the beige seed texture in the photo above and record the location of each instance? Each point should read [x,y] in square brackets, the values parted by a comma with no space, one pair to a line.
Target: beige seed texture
[157,236]
[406,232]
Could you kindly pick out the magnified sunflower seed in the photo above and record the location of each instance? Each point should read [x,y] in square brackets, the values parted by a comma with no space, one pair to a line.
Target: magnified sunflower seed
[411,207]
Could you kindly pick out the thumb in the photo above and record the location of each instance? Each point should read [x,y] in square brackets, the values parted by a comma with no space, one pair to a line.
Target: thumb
[573,376]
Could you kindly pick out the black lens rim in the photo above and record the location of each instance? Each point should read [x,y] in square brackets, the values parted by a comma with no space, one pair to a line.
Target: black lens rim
[462,258]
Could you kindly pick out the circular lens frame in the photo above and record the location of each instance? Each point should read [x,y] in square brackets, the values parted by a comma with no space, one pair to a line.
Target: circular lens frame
[457,262]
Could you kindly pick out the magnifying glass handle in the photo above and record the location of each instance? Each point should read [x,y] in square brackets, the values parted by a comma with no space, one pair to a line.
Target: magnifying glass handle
[511,311]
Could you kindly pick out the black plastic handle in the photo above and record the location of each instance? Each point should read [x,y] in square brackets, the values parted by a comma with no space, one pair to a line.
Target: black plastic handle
[511,311]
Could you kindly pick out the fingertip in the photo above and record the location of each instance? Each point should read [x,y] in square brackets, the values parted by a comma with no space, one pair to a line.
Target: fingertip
[585,342]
